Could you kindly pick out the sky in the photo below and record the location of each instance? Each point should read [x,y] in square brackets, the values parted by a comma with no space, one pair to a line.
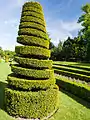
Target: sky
[61,19]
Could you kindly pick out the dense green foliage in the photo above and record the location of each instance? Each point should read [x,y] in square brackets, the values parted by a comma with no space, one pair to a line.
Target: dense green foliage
[70,50]
[85,31]
[35,63]
[6,54]
[32,50]
[31,40]
[73,70]
[45,73]
[32,25]
[31,104]
[32,19]
[34,32]
[26,84]
[76,88]
[31,91]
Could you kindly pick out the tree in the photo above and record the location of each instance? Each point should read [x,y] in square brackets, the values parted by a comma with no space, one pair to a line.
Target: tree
[85,31]
[31,91]
[1,52]
[68,49]
[10,54]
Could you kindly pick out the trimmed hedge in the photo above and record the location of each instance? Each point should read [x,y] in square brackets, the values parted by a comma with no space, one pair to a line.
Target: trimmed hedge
[32,9]
[32,50]
[35,63]
[76,88]
[32,72]
[34,32]
[31,104]
[33,4]
[74,66]
[70,69]
[34,14]
[32,40]
[32,25]
[25,84]
[32,19]
[31,91]
[73,75]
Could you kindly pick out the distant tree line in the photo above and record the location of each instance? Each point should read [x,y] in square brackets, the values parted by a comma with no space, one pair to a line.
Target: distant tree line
[6,55]
[78,48]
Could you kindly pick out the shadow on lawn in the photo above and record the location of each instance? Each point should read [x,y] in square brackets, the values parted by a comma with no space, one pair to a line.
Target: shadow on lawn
[79,100]
[2,94]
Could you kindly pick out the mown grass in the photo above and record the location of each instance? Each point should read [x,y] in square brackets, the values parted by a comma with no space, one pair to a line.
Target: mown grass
[69,108]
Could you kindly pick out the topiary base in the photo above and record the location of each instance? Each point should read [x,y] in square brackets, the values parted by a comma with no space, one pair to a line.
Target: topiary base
[30,104]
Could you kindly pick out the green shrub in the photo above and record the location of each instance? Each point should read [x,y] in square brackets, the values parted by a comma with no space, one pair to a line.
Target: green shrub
[34,32]
[34,14]
[46,73]
[33,4]
[26,84]
[32,19]
[32,40]
[70,69]
[74,66]
[32,50]
[32,25]
[76,88]
[73,75]
[31,91]
[35,63]
[31,104]
[32,9]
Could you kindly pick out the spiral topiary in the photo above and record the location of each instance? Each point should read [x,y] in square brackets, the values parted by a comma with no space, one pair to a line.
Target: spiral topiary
[31,91]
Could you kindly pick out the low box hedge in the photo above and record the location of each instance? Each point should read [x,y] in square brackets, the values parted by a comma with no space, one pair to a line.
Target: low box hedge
[73,75]
[32,25]
[32,40]
[33,4]
[26,84]
[73,66]
[70,69]
[34,14]
[32,19]
[33,32]
[76,88]
[35,63]
[31,104]
[32,50]
[34,73]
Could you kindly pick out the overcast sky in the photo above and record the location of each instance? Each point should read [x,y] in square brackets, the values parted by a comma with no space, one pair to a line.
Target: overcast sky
[61,19]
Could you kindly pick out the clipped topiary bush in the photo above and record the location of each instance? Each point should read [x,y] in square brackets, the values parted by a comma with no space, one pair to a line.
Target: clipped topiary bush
[32,92]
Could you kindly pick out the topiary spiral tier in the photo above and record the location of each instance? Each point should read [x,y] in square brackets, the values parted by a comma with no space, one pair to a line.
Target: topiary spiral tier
[32,92]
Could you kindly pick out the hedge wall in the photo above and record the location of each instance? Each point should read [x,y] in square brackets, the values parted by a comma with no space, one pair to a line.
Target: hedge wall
[73,75]
[76,88]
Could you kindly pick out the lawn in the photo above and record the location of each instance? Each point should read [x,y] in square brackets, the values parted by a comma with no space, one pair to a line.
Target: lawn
[70,108]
